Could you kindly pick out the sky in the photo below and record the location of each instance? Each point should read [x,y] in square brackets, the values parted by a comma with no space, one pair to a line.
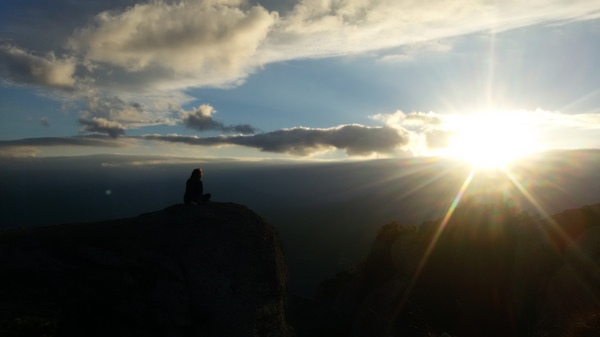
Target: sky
[298,79]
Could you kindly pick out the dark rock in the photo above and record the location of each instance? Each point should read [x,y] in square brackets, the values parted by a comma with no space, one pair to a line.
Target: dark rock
[489,272]
[572,304]
[210,270]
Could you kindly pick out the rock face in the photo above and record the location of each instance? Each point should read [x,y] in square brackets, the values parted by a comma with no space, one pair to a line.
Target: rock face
[209,270]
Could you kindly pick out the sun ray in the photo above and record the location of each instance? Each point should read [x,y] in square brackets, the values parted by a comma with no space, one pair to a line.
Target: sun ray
[555,226]
[580,100]
[435,238]
[425,183]
[444,222]
[491,72]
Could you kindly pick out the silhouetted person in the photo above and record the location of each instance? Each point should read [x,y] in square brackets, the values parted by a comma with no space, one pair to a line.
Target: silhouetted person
[194,190]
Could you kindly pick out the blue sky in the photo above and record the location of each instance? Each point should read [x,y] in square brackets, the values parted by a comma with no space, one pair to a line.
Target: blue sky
[300,79]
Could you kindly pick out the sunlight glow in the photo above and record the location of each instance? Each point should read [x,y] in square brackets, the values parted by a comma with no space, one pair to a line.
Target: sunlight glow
[492,139]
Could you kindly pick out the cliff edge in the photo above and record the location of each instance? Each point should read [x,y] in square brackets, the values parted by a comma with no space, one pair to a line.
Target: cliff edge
[209,270]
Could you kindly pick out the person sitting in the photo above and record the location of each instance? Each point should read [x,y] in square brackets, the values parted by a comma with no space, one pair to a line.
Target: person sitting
[194,190]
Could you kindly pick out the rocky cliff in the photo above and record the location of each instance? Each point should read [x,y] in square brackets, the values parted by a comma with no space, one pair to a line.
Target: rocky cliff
[209,270]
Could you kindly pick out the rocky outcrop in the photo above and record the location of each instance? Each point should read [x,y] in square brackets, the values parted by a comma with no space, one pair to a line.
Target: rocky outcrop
[488,272]
[208,270]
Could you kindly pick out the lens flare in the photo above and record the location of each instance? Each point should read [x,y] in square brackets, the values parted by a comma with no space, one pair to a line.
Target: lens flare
[492,139]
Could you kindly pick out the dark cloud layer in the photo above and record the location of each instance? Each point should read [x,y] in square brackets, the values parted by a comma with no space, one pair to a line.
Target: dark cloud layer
[91,140]
[354,139]
[102,125]
[30,147]
[201,120]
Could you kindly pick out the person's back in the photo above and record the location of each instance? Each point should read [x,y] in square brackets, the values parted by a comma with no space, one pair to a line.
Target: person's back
[194,190]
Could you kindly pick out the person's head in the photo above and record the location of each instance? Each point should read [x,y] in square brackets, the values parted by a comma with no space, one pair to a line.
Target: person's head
[197,173]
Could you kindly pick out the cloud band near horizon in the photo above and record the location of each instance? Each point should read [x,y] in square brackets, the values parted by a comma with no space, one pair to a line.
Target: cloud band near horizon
[356,140]
[419,133]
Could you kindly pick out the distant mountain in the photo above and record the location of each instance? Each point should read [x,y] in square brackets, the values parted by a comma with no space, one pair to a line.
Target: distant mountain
[202,270]
[488,271]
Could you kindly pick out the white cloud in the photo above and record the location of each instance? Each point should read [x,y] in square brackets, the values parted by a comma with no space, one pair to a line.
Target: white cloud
[411,52]
[114,108]
[102,125]
[320,28]
[177,45]
[169,45]
[22,66]
[413,120]
[131,111]
[201,119]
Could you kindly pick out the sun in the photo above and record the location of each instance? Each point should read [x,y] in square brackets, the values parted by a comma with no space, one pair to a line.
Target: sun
[492,139]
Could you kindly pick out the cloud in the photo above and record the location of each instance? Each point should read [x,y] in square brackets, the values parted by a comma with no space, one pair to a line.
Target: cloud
[114,109]
[356,140]
[102,125]
[431,131]
[175,44]
[131,112]
[417,132]
[201,120]
[438,139]
[318,28]
[91,140]
[418,120]
[413,51]
[31,147]
[18,151]
[130,64]
[18,65]
[420,133]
